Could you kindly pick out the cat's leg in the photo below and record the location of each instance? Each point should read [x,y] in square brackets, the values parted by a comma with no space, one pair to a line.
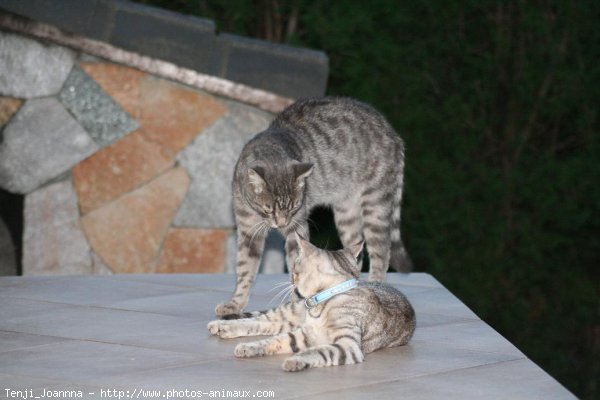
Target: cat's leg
[284,343]
[300,225]
[377,212]
[251,235]
[284,318]
[349,222]
[344,350]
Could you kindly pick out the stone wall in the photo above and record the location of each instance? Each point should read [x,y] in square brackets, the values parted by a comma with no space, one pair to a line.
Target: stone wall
[122,171]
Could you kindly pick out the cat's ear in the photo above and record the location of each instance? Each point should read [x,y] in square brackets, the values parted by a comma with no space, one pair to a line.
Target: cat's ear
[356,249]
[302,171]
[256,179]
[304,246]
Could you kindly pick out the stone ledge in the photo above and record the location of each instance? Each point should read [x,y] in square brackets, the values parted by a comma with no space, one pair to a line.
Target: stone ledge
[186,41]
[221,87]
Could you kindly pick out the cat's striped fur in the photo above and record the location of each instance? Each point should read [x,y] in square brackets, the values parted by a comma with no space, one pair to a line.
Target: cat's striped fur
[329,151]
[340,331]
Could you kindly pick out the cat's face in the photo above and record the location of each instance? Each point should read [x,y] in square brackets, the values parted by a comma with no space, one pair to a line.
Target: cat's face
[278,194]
[316,269]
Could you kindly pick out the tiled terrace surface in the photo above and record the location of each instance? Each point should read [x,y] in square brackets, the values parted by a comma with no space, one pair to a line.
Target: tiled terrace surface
[145,332]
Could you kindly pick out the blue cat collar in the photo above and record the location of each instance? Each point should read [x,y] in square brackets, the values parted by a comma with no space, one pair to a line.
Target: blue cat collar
[326,294]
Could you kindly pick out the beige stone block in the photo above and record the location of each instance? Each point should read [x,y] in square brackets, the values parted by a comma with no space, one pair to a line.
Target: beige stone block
[128,232]
[187,250]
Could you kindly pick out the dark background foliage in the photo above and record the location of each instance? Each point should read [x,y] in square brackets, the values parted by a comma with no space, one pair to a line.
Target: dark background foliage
[498,104]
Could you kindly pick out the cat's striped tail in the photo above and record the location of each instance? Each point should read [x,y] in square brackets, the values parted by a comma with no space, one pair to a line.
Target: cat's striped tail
[399,258]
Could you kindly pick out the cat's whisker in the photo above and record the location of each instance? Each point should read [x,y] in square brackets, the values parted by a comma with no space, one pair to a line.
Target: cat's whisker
[300,228]
[256,230]
[279,285]
[310,221]
[282,292]
[287,295]
[252,229]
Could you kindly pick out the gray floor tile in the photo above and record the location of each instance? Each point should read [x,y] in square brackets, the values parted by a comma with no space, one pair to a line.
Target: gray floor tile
[472,335]
[140,329]
[15,340]
[11,308]
[439,301]
[266,373]
[17,382]
[85,362]
[514,380]
[426,319]
[81,290]
[196,304]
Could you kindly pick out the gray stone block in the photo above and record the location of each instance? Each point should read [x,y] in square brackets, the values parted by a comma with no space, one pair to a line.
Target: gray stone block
[182,39]
[97,112]
[40,142]
[53,242]
[8,263]
[210,161]
[285,70]
[30,69]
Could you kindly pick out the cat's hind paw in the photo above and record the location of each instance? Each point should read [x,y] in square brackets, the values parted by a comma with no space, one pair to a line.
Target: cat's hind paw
[244,350]
[294,364]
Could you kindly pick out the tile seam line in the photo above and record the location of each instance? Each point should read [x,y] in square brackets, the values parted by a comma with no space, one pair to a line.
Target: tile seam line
[142,371]
[74,339]
[62,340]
[190,288]
[59,278]
[458,321]
[407,378]
[70,305]
[219,86]
[173,166]
[498,353]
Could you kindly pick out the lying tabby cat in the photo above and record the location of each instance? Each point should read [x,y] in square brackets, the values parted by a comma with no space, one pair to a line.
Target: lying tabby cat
[329,151]
[336,322]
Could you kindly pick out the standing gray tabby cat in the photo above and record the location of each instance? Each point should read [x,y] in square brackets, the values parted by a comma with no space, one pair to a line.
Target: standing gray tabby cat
[328,151]
[336,320]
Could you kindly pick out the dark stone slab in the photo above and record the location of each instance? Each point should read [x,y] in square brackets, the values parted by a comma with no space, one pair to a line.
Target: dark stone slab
[184,40]
[285,70]
[97,112]
[70,15]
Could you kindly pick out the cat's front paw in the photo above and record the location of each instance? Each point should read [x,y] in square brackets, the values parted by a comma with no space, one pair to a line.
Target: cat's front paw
[244,350]
[294,364]
[225,310]
[213,327]
[223,329]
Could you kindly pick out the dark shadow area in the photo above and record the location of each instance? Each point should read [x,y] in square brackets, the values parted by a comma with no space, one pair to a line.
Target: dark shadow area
[11,212]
